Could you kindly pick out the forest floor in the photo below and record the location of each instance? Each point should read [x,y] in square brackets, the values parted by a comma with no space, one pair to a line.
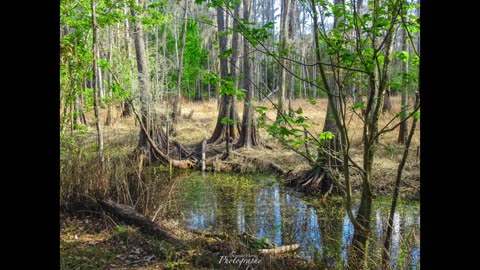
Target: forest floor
[95,242]
[89,241]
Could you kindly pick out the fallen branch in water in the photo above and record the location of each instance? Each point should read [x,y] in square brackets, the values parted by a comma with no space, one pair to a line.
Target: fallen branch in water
[279,250]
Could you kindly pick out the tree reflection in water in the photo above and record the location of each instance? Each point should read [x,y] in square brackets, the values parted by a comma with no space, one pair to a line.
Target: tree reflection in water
[324,232]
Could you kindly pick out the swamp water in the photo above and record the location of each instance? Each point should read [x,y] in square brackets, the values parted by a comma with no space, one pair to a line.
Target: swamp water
[258,205]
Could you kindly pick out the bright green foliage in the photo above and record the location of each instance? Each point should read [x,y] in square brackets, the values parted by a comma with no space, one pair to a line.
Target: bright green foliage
[76,55]
[211,78]
[255,34]
[327,135]
[213,3]
[155,15]
[75,52]
[205,20]
[228,88]
[312,101]
[119,73]
[194,58]
[415,61]
[227,53]
[228,120]
[403,56]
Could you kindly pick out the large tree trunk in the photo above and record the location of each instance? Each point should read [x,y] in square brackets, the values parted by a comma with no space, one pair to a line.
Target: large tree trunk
[291,88]
[152,137]
[227,110]
[387,104]
[109,119]
[332,159]
[359,248]
[234,70]
[402,134]
[126,110]
[234,67]
[284,45]
[178,96]
[228,107]
[95,85]
[248,135]
[314,76]
[292,14]
[143,82]
[79,108]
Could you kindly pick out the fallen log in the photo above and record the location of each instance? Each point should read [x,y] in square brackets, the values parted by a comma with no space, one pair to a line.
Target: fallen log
[131,217]
[182,164]
[279,250]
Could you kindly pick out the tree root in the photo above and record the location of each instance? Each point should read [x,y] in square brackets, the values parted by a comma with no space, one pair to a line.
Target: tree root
[183,152]
[313,181]
[162,141]
[240,163]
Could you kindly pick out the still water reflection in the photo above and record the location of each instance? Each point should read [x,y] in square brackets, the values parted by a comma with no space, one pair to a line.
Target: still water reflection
[258,205]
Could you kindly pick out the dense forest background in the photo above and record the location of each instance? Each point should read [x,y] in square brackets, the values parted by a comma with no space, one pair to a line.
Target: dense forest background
[325,94]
